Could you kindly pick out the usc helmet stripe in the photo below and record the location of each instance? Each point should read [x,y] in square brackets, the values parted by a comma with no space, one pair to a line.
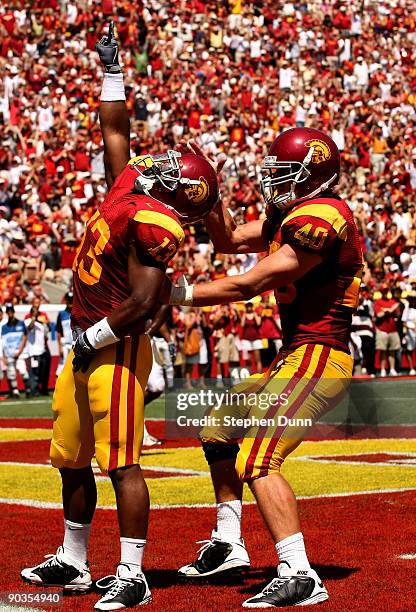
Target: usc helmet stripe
[145,159]
[157,218]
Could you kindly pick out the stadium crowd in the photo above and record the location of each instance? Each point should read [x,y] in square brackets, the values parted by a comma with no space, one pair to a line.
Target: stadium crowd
[231,74]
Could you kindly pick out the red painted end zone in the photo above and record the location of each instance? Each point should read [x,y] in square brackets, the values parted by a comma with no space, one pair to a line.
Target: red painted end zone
[353,543]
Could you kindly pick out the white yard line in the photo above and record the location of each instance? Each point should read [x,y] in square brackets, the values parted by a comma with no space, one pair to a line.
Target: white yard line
[152,468]
[346,461]
[53,505]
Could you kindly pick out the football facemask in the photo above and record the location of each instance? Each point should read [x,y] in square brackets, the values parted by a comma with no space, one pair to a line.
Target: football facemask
[163,169]
[278,184]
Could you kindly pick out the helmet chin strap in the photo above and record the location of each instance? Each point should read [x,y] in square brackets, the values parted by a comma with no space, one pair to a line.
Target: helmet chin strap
[320,189]
[188,182]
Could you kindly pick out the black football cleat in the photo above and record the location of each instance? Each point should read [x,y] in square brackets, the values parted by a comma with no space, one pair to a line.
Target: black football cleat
[217,556]
[59,571]
[290,588]
[124,590]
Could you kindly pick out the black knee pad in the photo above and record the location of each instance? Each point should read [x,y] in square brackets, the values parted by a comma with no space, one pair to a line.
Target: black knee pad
[219,451]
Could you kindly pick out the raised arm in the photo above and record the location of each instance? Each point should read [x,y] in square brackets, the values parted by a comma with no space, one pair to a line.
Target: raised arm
[114,118]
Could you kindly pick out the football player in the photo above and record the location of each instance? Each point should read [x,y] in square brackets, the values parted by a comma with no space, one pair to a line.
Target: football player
[98,404]
[314,266]
[64,332]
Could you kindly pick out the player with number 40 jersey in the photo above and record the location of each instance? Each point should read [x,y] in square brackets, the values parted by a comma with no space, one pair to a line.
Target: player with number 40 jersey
[314,265]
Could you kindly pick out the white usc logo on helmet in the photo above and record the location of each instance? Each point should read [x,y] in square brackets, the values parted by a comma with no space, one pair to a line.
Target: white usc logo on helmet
[198,193]
[321,151]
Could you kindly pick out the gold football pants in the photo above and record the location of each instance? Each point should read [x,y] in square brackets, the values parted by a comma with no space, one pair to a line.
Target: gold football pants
[101,412]
[308,382]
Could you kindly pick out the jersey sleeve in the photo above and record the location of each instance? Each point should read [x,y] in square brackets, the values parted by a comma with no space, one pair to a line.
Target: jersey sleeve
[156,236]
[316,230]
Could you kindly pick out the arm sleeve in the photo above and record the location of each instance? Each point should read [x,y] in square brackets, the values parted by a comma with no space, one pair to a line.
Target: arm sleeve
[156,236]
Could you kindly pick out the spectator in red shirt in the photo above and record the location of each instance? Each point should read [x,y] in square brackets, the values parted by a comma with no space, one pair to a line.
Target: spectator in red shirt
[251,339]
[82,159]
[270,330]
[36,225]
[387,336]
[69,246]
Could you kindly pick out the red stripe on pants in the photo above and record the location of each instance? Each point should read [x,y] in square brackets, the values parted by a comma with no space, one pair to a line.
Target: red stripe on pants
[130,400]
[115,406]
[304,364]
[322,361]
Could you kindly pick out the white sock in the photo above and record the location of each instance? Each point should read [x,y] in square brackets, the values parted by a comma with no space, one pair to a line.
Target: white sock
[132,550]
[292,550]
[229,520]
[76,540]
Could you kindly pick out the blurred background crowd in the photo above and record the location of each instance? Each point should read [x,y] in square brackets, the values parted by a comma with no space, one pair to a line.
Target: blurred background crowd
[231,73]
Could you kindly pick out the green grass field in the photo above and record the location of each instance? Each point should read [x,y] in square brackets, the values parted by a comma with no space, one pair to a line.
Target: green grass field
[377,401]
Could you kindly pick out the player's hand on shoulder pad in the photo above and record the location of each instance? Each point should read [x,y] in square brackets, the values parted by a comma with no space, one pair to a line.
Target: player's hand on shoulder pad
[83,352]
[107,49]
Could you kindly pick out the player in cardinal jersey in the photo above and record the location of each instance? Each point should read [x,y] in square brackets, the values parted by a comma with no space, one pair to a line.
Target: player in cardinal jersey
[98,404]
[314,266]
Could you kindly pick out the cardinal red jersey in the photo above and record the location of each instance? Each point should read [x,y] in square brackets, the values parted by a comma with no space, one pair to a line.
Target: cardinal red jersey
[100,266]
[318,308]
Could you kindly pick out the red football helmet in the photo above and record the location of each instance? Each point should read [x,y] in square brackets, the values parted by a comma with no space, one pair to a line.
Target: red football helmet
[302,162]
[184,182]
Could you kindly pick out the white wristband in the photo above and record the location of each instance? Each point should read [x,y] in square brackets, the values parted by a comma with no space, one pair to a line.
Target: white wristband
[113,88]
[101,334]
[182,296]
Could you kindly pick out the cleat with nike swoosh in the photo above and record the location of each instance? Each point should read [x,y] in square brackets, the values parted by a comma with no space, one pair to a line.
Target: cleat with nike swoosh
[291,587]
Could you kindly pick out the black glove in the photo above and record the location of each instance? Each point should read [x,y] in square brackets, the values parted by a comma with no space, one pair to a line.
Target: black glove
[83,351]
[172,351]
[107,49]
